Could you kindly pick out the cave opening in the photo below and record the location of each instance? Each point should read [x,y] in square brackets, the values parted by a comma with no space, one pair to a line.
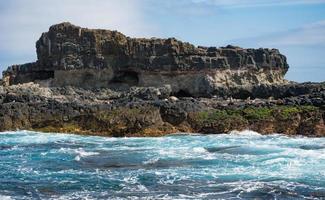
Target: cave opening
[131,78]
[182,93]
[43,75]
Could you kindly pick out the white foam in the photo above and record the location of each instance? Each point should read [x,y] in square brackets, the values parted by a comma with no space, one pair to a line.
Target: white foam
[257,158]
[275,161]
[199,150]
[77,158]
[151,161]
[84,153]
[80,152]
[43,153]
[64,150]
[8,133]
[4,197]
[245,133]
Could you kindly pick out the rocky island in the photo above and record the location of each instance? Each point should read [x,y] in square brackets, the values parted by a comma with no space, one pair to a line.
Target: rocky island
[101,82]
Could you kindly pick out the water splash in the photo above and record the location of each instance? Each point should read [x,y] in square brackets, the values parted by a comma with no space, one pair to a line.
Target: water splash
[240,165]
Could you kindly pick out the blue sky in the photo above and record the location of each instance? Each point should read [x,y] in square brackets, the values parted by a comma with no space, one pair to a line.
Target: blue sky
[296,27]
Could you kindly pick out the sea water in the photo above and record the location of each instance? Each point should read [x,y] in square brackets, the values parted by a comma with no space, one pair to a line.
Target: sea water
[240,165]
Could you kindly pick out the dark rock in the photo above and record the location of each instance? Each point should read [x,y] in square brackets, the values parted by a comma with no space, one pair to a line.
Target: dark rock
[94,58]
[141,112]
[173,114]
[101,82]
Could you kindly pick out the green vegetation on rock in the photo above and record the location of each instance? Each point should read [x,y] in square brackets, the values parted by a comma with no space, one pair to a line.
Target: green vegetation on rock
[254,113]
[287,112]
[210,116]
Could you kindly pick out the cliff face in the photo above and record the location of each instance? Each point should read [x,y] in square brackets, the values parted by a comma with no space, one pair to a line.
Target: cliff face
[71,55]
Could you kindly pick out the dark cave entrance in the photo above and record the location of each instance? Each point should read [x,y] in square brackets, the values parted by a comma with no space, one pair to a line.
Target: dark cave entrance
[182,93]
[43,75]
[131,78]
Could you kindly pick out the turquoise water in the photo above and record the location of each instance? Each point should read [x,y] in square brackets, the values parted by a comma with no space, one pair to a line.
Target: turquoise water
[242,165]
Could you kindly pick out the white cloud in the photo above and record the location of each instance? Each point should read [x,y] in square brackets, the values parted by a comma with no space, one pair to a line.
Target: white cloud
[307,35]
[311,34]
[256,3]
[23,21]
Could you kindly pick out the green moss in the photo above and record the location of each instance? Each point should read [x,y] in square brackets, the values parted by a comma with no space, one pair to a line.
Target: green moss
[237,112]
[283,112]
[211,116]
[253,113]
[287,112]
[308,108]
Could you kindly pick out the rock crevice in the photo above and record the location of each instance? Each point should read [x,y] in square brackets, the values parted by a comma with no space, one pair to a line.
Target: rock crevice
[92,58]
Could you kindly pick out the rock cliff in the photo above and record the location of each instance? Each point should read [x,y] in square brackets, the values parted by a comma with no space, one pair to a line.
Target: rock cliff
[94,58]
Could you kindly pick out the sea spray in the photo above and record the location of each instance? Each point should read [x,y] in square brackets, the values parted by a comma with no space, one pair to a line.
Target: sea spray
[181,166]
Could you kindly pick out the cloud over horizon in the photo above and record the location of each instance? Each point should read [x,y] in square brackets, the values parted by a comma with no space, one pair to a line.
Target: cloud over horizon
[312,34]
[256,3]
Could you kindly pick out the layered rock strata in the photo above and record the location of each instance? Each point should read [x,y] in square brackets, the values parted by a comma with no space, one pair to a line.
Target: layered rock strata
[94,58]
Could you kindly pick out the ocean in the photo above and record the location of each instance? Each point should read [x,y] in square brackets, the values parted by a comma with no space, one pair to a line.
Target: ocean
[240,165]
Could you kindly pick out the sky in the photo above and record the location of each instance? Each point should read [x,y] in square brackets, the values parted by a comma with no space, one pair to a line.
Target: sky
[295,27]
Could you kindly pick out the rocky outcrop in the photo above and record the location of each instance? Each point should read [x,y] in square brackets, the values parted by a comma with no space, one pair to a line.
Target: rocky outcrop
[153,112]
[88,58]
[101,82]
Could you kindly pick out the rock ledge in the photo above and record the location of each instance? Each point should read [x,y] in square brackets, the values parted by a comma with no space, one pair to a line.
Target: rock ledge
[95,58]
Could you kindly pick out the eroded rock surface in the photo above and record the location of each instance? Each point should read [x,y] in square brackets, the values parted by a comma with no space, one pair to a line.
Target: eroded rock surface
[153,112]
[103,83]
[93,58]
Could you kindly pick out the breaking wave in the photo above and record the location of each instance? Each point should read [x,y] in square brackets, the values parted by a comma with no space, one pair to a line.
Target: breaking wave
[239,165]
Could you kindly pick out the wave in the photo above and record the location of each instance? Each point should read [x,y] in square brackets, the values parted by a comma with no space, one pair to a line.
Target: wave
[4,197]
[222,166]
[219,149]
[245,133]
[81,153]
[151,161]
[184,134]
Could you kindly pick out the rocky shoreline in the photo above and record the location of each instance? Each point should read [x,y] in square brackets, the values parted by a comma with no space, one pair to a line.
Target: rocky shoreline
[101,82]
[154,112]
